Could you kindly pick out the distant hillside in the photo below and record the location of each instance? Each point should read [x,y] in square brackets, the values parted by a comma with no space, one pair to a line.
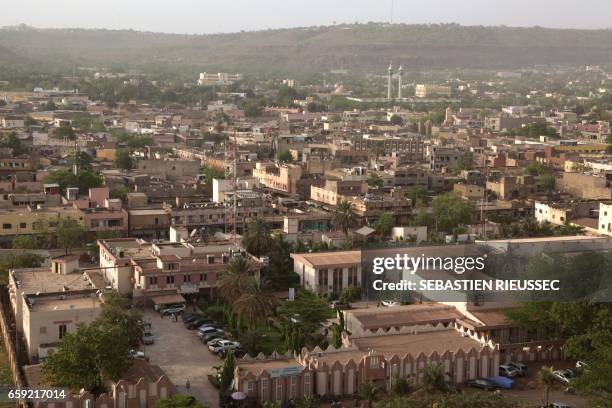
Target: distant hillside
[363,47]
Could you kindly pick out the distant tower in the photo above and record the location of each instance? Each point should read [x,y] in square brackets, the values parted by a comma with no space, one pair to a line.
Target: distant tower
[399,83]
[389,78]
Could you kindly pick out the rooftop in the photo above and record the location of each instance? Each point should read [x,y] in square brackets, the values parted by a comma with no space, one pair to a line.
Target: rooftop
[400,316]
[428,342]
[323,259]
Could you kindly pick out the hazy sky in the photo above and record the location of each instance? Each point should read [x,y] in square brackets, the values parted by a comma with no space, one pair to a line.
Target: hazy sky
[210,16]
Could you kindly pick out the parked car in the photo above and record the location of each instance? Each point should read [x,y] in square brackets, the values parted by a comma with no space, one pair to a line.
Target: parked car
[238,352]
[159,308]
[178,309]
[482,383]
[148,338]
[502,382]
[581,364]
[209,330]
[208,337]
[519,367]
[506,370]
[191,316]
[194,324]
[389,303]
[336,304]
[223,345]
[560,405]
[137,354]
[214,342]
[563,375]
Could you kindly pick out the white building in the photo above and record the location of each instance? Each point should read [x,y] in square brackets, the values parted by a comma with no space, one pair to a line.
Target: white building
[220,78]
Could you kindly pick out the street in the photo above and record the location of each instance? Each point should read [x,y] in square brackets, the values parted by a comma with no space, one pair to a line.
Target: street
[183,357]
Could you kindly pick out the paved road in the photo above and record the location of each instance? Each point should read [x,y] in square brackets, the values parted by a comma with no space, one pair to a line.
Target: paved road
[183,357]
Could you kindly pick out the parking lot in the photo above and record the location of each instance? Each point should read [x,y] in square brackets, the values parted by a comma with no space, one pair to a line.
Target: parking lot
[181,354]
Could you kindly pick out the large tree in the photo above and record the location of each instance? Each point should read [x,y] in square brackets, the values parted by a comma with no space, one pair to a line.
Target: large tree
[450,211]
[233,278]
[257,239]
[344,217]
[69,233]
[253,304]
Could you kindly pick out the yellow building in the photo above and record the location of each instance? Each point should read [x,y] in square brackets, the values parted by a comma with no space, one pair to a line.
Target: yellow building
[32,220]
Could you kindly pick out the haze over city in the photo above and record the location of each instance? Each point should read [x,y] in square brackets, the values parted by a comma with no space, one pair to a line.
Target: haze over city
[198,17]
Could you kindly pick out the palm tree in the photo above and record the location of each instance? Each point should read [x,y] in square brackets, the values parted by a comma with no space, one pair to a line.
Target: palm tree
[434,377]
[253,304]
[257,239]
[546,380]
[344,217]
[308,401]
[232,279]
[370,393]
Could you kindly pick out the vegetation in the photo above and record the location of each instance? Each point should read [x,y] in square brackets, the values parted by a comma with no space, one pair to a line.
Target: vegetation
[546,380]
[450,211]
[344,217]
[385,224]
[69,234]
[301,319]
[65,178]
[179,401]
[258,239]
[284,156]
[534,130]
[212,173]
[227,371]
[585,326]
[95,352]
[124,160]
[12,261]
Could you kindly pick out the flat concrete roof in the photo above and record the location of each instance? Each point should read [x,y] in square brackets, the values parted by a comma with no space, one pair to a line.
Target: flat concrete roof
[42,280]
[402,344]
[401,316]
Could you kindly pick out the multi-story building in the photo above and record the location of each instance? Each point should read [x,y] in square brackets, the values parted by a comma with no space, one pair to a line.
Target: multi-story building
[220,78]
[34,220]
[149,223]
[441,158]
[328,272]
[335,191]
[429,90]
[153,270]
[49,316]
[284,178]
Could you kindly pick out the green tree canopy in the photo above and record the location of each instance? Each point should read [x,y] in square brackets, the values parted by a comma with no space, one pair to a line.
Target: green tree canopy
[70,233]
[124,160]
[284,156]
[258,239]
[65,178]
[450,211]
[385,224]
[179,401]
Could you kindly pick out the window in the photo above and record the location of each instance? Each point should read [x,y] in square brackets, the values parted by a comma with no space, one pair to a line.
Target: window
[264,389]
[94,223]
[43,329]
[323,279]
[306,384]
[187,278]
[169,279]
[171,266]
[7,226]
[352,276]
[337,280]
[153,280]
[250,387]
[62,331]
[23,225]
[279,389]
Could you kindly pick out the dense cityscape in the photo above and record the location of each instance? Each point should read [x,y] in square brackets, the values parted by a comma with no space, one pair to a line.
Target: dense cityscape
[206,239]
